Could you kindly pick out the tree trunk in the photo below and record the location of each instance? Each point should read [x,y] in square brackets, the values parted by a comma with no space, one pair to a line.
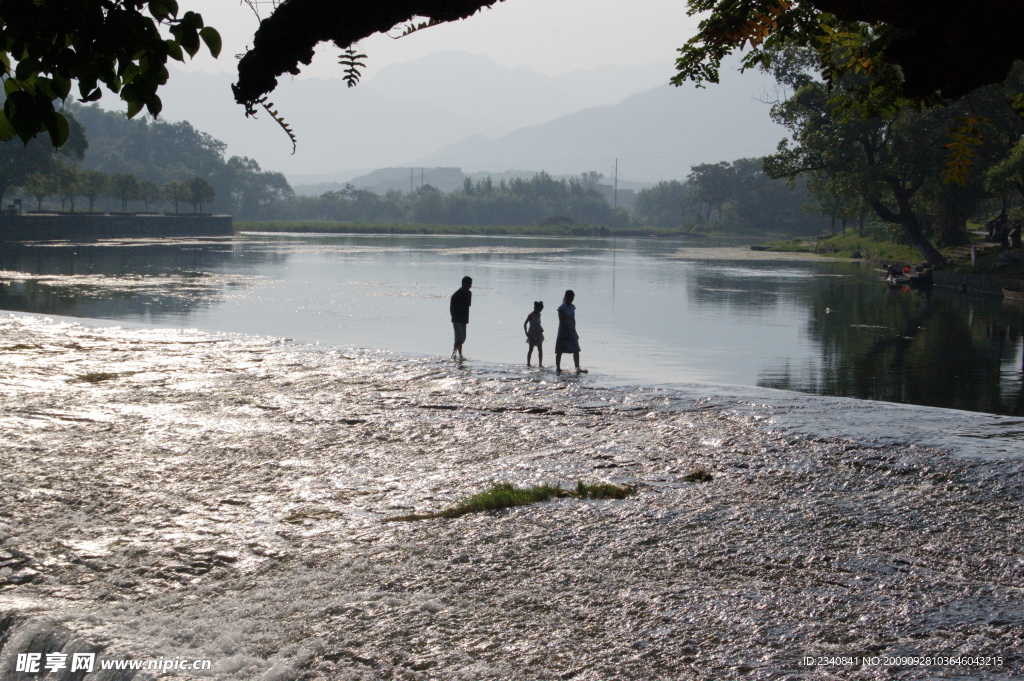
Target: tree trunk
[908,220]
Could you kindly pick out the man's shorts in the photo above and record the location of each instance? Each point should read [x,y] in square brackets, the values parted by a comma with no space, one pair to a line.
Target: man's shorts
[460,332]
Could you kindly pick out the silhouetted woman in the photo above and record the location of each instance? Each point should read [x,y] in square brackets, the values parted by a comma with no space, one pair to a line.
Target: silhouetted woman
[568,340]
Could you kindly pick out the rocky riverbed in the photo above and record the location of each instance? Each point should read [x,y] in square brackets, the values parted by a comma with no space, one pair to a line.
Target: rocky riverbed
[168,494]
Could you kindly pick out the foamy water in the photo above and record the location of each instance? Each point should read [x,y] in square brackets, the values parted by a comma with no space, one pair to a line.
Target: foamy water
[178,494]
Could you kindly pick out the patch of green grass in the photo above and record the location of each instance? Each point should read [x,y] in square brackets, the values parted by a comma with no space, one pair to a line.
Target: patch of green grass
[96,377]
[794,246]
[505,495]
[874,244]
[601,490]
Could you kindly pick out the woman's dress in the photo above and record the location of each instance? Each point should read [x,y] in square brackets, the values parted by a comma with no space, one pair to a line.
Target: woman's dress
[568,340]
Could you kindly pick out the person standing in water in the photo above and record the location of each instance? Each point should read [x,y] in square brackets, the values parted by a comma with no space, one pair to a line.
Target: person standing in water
[568,340]
[535,334]
[459,308]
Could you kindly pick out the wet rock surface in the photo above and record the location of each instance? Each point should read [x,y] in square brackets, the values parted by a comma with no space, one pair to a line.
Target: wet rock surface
[168,493]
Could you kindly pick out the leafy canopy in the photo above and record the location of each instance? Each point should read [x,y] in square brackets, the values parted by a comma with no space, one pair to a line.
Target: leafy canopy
[45,45]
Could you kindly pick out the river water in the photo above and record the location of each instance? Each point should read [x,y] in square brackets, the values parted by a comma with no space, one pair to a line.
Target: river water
[230,496]
[649,312]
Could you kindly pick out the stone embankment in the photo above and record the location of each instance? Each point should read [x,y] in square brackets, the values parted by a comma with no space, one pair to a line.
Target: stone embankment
[85,226]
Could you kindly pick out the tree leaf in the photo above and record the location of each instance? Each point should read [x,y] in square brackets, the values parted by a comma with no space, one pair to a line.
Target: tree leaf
[6,129]
[58,128]
[174,50]
[211,37]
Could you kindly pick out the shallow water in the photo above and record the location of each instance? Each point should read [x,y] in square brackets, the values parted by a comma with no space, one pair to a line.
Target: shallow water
[649,312]
[180,494]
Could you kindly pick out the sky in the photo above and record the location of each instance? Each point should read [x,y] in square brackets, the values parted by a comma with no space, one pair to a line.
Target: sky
[549,36]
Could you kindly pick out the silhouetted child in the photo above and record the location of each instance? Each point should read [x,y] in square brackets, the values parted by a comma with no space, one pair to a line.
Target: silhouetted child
[535,333]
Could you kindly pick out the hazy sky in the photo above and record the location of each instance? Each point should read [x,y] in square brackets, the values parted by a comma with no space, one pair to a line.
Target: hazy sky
[550,36]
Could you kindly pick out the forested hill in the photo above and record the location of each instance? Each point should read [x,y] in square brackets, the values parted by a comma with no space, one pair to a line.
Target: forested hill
[157,151]
[163,152]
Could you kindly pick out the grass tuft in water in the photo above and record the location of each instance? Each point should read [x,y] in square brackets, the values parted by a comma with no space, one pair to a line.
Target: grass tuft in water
[506,495]
[503,495]
[96,377]
[699,475]
[601,490]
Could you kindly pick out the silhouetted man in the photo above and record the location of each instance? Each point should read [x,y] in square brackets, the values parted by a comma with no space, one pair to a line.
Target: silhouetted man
[461,300]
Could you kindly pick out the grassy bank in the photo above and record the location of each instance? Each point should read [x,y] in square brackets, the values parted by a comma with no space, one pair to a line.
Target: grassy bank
[874,244]
[310,227]
[567,230]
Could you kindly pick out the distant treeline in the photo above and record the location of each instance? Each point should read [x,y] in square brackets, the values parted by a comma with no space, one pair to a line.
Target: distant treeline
[730,197]
[515,202]
[113,163]
[725,197]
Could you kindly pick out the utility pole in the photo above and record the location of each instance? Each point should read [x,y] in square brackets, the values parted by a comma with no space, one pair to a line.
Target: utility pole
[615,200]
[410,180]
[421,178]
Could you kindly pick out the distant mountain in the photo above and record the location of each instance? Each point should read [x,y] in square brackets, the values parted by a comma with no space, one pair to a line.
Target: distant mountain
[461,110]
[655,135]
[337,127]
[478,87]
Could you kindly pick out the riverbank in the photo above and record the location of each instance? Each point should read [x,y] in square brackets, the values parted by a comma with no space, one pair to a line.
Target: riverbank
[176,494]
[563,229]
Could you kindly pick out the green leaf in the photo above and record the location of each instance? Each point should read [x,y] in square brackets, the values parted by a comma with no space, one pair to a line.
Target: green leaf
[26,68]
[161,10]
[61,86]
[193,20]
[6,129]
[43,88]
[134,107]
[211,37]
[188,37]
[174,50]
[11,85]
[154,106]
[58,128]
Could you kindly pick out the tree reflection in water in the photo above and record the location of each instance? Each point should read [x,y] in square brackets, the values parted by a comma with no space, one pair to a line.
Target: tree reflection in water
[935,348]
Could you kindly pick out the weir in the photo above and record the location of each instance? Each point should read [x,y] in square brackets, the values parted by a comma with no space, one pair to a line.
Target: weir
[77,226]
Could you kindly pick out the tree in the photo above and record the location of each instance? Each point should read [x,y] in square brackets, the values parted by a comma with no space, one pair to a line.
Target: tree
[892,161]
[712,186]
[1008,174]
[251,190]
[177,192]
[663,205]
[39,186]
[89,41]
[199,192]
[942,49]
[125,188]
[18,161]
[67,183]
[149,192]
[93,185]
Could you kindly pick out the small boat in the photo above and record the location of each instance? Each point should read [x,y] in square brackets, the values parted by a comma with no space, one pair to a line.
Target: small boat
[1013,294]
